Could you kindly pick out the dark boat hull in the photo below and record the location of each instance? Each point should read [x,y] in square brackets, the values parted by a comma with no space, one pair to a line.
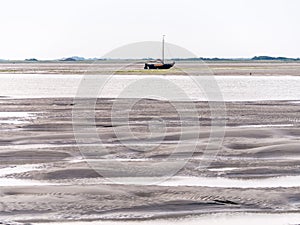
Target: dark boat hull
[162,66]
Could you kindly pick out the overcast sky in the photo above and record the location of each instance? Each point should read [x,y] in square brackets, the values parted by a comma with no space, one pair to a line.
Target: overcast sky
[49,29]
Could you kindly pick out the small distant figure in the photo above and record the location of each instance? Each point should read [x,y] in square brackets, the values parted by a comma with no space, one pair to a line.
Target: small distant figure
[250,74]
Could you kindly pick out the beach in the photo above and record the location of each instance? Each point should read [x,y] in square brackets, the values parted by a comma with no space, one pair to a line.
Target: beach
[224,152]
[45,177]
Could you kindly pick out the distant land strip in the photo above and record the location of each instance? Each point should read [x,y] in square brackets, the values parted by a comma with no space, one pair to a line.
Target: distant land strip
[77,58]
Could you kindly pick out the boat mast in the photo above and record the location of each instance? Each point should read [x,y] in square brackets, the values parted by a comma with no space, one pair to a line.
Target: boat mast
[163,49]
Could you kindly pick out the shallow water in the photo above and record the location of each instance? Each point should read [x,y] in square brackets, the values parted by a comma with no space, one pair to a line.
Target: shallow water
[20,169]
[267,125]
[216,219]
[283,181]
[223,169]
[15,114]
[16,117]
[233,88]
[12,182]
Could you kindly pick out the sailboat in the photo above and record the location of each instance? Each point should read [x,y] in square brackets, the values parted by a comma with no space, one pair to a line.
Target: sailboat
[160,63]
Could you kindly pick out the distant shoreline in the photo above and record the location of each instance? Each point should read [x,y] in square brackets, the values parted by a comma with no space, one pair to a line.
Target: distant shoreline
[136,67]
[214,59]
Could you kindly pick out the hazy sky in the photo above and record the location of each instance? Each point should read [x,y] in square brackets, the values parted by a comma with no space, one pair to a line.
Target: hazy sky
[223,28]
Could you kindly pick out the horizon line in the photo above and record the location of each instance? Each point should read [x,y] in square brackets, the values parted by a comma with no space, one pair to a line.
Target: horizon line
[79,58]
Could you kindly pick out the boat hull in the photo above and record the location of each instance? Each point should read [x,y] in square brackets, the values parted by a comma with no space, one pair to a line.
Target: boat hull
[160,66]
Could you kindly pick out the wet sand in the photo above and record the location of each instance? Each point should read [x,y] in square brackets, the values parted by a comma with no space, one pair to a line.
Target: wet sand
[232,68]
[261,142]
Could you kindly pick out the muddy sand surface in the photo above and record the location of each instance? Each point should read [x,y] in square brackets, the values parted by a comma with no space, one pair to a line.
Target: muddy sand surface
[54,180]
[232,68]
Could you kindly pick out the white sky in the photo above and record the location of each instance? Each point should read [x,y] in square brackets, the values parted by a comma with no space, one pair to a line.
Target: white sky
[50,29]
